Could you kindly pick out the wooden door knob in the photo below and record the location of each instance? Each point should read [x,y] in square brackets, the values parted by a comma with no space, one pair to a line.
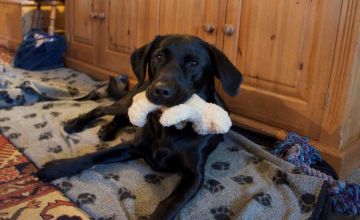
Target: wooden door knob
[102,15]
[228,29]
[94,15]
[209,28]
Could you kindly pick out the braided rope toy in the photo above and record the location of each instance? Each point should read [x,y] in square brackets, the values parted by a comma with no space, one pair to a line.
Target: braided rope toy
[344,196]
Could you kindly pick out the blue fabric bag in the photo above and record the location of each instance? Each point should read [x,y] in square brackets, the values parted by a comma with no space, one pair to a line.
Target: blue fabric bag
[40,51]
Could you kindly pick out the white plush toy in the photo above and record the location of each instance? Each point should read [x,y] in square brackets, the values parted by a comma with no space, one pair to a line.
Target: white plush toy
[206,118]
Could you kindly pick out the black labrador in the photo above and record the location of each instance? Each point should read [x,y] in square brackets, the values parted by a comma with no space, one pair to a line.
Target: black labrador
[177,66]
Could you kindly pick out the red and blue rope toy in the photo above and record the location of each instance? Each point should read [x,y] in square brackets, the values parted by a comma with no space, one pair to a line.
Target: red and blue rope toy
[344,196]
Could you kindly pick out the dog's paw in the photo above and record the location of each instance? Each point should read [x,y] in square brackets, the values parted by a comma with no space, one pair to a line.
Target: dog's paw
[75,125]
[61,168]
[107,132]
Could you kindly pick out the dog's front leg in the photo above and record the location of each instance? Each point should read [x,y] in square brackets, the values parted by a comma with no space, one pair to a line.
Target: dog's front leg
[68,167]
[189,185]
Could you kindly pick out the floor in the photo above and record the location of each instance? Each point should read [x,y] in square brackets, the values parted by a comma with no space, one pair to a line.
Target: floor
[6,56]
[256,137]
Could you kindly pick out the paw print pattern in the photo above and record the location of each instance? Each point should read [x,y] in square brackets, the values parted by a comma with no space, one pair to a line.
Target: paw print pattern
[111,176]
[4,128]
[254,159]
[280,178]
[76,104]
[73,91]
[86,198]
[15,135]
[45,136]
[124,193]
[213,186]
[55,150]
[47,106]
[44,79]
[263,199]
[220,165]
[242,179]
[297,171]
[71,82]
[222,213]
[64,186]
[5,119]
[74,75]
[107,218]
[153,178]
[233,148]
[40,125]
[32,115]
[306,202]
[55,114]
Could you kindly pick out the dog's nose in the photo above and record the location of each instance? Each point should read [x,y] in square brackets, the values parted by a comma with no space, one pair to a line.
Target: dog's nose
[163,90]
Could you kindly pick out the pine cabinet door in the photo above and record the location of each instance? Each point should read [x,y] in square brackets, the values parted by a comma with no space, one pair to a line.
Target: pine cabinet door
[81,30]
[195,17]
[116,34]
[285,49]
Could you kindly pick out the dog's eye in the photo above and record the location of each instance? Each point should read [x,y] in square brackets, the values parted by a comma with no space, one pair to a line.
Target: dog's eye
[193,63]
[159,58]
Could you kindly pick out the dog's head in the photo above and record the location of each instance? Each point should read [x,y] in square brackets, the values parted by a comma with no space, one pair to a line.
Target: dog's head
[181,65]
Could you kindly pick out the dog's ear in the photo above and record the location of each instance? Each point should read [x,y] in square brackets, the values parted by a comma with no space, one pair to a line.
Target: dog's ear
[140,58]
[230,77]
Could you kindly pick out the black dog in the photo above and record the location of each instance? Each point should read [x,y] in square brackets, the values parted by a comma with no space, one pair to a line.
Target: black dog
[178,66]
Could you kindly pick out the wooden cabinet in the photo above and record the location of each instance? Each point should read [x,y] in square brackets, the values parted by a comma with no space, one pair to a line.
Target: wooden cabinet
[82,40]
[92,40]
[190,17]
[16,19]
[300,59]
[284,49]
[102,34]
[297,57]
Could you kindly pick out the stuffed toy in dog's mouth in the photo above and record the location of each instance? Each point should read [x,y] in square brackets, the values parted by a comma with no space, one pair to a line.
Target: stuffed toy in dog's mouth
[206,118]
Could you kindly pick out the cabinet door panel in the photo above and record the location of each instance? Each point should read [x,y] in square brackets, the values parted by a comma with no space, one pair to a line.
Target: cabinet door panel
[81,30]
[189,17]
[147,21]
[116,33]
[284,48]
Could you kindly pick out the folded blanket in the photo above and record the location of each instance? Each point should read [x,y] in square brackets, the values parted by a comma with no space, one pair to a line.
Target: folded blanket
[21,87]
[242,180]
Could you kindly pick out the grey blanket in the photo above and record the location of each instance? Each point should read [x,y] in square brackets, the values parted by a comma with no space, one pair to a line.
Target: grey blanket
[21,87]
[242,180]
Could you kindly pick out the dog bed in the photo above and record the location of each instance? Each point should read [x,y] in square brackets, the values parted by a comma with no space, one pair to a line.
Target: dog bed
[242,180]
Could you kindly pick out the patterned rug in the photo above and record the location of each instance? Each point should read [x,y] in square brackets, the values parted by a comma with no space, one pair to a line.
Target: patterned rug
[23,196]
